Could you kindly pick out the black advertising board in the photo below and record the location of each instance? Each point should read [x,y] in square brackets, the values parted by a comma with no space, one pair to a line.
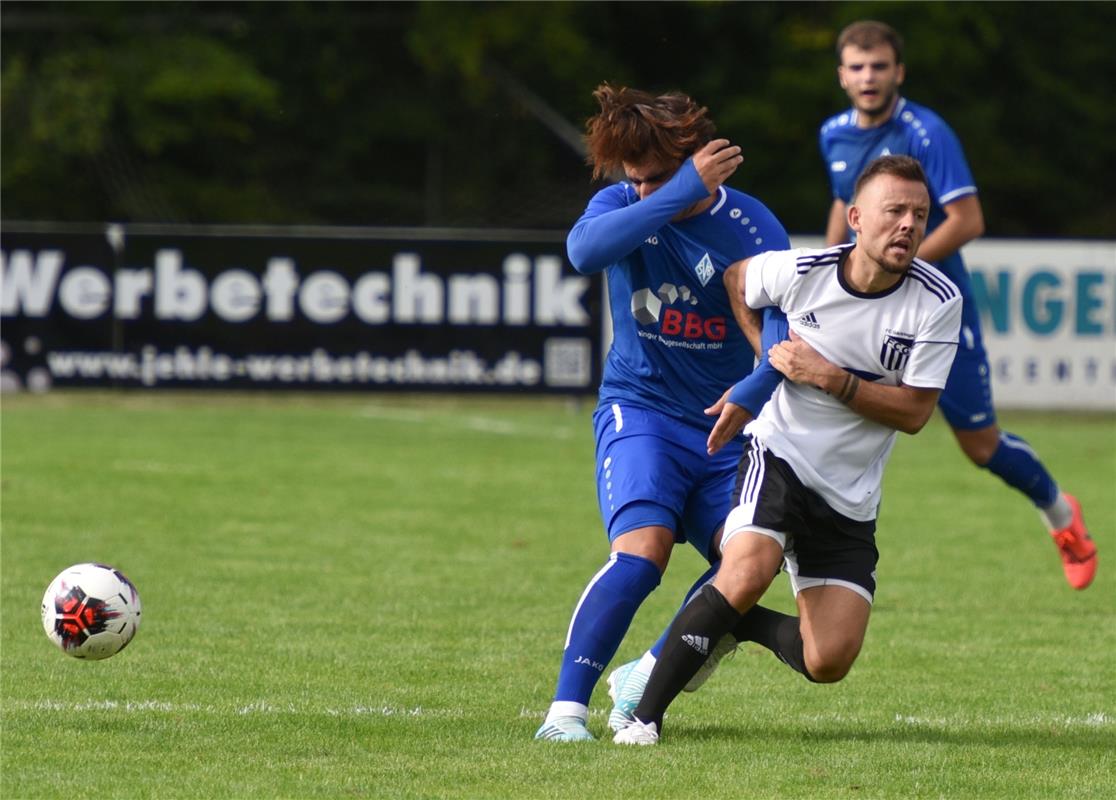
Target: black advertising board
[298,308]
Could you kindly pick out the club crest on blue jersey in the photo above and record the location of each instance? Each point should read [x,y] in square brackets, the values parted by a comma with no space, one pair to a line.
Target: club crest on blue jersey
[704,269]
[895,352]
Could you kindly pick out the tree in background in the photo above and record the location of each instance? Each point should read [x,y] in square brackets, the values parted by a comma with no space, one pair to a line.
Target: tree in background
[455,114]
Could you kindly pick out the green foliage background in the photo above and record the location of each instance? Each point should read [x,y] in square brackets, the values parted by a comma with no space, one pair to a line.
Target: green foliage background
[414,113]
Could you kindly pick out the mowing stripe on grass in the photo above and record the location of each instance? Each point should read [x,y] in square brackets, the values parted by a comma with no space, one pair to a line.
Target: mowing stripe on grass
[1098,719]
[479,424]
[260,707]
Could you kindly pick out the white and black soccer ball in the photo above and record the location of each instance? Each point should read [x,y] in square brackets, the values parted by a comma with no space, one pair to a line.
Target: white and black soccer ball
[91,611]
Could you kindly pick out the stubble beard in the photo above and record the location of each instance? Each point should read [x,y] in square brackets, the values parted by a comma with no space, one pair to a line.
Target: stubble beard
[893,267]
[882,109]
[889,264]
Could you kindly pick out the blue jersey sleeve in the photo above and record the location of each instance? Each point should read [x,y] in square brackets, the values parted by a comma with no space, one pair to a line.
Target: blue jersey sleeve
[611,227]
[944,162]
[823,146]
[770,233]
[755,390]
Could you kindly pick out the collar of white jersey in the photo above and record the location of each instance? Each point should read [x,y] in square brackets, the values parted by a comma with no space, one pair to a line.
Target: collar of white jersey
[895,113]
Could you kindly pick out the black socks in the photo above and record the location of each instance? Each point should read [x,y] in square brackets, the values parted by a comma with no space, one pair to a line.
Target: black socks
[692,637]
[779,633]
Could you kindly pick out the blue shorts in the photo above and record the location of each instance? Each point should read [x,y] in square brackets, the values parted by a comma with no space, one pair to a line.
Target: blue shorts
[966,400]
[653,470]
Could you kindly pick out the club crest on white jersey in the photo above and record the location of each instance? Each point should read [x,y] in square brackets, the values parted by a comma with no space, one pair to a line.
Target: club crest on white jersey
[895,351]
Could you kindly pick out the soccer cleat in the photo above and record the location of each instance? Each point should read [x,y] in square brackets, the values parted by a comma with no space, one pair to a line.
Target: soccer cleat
[1079,554]
[638,733]
[564,729]
[727,645]
[625,686]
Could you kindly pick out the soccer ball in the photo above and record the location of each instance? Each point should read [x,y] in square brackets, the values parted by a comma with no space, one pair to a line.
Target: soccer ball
[91,611]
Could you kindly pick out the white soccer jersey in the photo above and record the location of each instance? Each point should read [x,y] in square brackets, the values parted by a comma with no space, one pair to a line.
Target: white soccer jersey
[906,334]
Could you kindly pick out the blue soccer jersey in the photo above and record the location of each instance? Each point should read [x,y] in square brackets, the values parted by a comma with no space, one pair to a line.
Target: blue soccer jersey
[676,346]
[915,131]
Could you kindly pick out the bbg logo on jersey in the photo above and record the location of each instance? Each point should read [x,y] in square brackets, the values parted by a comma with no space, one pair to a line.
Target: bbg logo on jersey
[678,327]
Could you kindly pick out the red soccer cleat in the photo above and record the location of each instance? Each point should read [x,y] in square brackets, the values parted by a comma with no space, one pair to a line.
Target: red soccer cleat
[1079,554]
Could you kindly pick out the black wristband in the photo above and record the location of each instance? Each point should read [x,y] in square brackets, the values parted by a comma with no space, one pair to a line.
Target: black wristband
[848,391]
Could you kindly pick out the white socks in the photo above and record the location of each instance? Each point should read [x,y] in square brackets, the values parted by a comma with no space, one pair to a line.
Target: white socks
[1057,516]
[646,664]
[567,708]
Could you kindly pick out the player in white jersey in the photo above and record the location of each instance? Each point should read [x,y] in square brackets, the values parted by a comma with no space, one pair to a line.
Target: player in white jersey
[873,335]
[902,335]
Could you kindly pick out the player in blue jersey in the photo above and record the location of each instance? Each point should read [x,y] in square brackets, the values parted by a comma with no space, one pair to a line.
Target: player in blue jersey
[664,238]
[880,122]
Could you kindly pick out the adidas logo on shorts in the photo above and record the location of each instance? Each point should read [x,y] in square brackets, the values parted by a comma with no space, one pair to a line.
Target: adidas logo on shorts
[699,643]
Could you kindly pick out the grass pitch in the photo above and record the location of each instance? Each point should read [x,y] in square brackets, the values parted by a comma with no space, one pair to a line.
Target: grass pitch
[366,596]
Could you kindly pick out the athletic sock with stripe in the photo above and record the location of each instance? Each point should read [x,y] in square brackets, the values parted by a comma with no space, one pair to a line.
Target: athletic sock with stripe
[600,621]
[696,630]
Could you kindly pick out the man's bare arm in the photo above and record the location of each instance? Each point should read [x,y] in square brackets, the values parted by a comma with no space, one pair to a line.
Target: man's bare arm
[904,408]
[837,226]
[747,318]
[964,222]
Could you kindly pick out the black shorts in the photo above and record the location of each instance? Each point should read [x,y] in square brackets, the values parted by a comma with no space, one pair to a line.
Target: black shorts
[820,545]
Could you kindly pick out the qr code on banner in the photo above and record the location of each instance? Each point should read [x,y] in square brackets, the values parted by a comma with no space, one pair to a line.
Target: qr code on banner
[567,362]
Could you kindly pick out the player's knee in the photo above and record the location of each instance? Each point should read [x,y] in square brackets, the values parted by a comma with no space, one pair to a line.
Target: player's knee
[979,446]
[742,584]
[832,662]
[749,565]
[979,456]
[652,543]
[827,672]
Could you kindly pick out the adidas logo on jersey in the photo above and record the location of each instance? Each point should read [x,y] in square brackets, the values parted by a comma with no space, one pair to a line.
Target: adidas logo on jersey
[699,643]
[809,321]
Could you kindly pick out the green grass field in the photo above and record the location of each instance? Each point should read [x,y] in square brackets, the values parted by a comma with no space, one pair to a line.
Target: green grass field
[366,596]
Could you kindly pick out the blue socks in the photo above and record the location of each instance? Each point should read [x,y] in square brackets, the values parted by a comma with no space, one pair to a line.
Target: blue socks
[1018,465]
[601,619]
[657,648]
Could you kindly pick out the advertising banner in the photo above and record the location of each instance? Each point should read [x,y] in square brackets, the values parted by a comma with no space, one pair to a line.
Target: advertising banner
[1048,314]
[297,308]
[455,310]
[1048,317]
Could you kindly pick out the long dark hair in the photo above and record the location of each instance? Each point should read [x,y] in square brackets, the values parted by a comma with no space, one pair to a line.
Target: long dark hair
[635,126]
